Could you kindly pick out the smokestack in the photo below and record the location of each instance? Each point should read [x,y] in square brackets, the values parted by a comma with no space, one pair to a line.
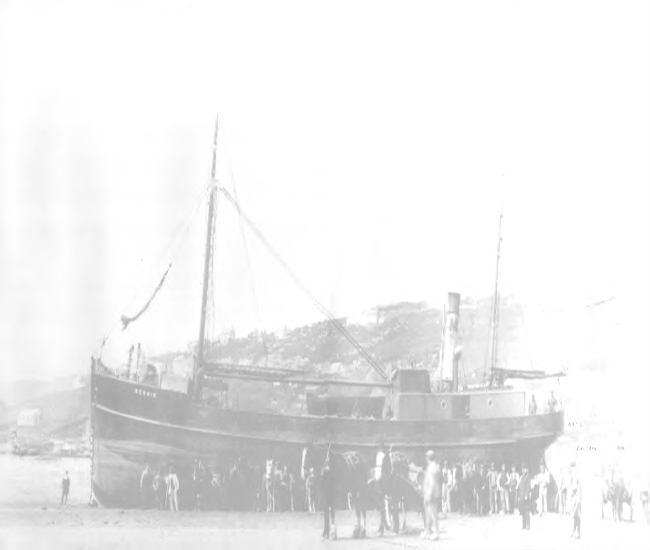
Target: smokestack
[449,370]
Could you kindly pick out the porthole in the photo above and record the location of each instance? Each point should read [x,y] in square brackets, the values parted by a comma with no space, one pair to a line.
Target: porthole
[443,404]
[490,402]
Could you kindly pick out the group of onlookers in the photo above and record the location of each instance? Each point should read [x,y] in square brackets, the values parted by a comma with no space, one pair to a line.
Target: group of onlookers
[472,488]
[476,488]
[160,488]
[465,488]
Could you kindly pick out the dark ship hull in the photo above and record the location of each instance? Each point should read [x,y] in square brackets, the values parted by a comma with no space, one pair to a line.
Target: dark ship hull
[135,424]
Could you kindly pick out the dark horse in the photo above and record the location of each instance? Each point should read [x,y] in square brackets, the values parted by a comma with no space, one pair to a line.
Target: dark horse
[350,478]
[616,493]
[644,496]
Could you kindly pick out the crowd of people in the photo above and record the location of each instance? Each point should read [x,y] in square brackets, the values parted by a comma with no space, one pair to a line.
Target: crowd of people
[269,487]
[470,487]
[464,488]
[477,488]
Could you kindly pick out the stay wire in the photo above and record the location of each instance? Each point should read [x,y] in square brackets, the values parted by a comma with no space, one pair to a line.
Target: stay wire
[249,265]
[301,285]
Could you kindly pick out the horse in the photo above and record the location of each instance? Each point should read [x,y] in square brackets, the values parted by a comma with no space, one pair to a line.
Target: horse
[397,490]
[561,496]
[616,493]
[218,484]
[238,491]
[201,481]
[644,497]
[350,475]
[625,496]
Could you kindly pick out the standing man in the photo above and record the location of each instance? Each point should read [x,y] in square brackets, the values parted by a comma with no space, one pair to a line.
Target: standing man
[447,483]
[544,482]
[575,488]
[523,496]
[173,488]
[65,488]
[146,486]
[513,479]
[160,489]
[310,489]
[481,489]
[328,494]
[457,485]
[532,407]
[385,478]
[502,484]
[432,494]
[493,478]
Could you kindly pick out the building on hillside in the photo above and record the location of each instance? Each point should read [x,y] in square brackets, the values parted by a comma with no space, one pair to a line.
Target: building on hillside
[225,337]
[29,418]
[365,318]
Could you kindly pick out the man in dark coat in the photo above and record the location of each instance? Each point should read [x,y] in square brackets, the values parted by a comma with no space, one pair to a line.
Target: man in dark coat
[328,494]
[65,488]
[524,497]
[484,490]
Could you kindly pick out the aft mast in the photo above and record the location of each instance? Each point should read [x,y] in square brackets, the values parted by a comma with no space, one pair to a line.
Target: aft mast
[494,322]
[200,359]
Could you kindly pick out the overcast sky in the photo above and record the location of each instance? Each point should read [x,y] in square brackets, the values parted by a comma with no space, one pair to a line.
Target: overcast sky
[371,142]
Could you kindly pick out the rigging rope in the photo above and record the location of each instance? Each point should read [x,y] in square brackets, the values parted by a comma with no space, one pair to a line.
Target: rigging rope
[573,307]
[126,321]
[249,266]
[337,324]
[181,233]
[169,251]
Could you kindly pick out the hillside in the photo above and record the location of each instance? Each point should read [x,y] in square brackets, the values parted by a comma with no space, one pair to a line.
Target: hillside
[64,408]
[397,335]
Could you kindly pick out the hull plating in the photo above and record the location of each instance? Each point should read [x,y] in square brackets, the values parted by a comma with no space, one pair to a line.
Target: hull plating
[135,425]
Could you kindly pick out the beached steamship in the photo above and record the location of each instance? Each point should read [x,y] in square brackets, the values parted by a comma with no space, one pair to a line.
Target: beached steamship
[159,421]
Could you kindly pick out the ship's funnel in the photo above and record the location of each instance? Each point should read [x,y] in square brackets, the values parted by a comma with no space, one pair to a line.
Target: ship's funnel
[449,357]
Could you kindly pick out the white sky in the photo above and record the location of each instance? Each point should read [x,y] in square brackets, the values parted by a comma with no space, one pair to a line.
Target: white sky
[372,143]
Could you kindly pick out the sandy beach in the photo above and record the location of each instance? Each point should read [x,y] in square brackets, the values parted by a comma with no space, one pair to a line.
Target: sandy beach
[83,527]
[31,517]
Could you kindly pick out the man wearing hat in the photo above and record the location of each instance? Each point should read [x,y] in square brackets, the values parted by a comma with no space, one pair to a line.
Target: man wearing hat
[575,493]
[493,482]
[524,496]
[432,494]
[383,476]
[328,493]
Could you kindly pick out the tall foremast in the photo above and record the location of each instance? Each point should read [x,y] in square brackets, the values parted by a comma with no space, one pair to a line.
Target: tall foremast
[200,353]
